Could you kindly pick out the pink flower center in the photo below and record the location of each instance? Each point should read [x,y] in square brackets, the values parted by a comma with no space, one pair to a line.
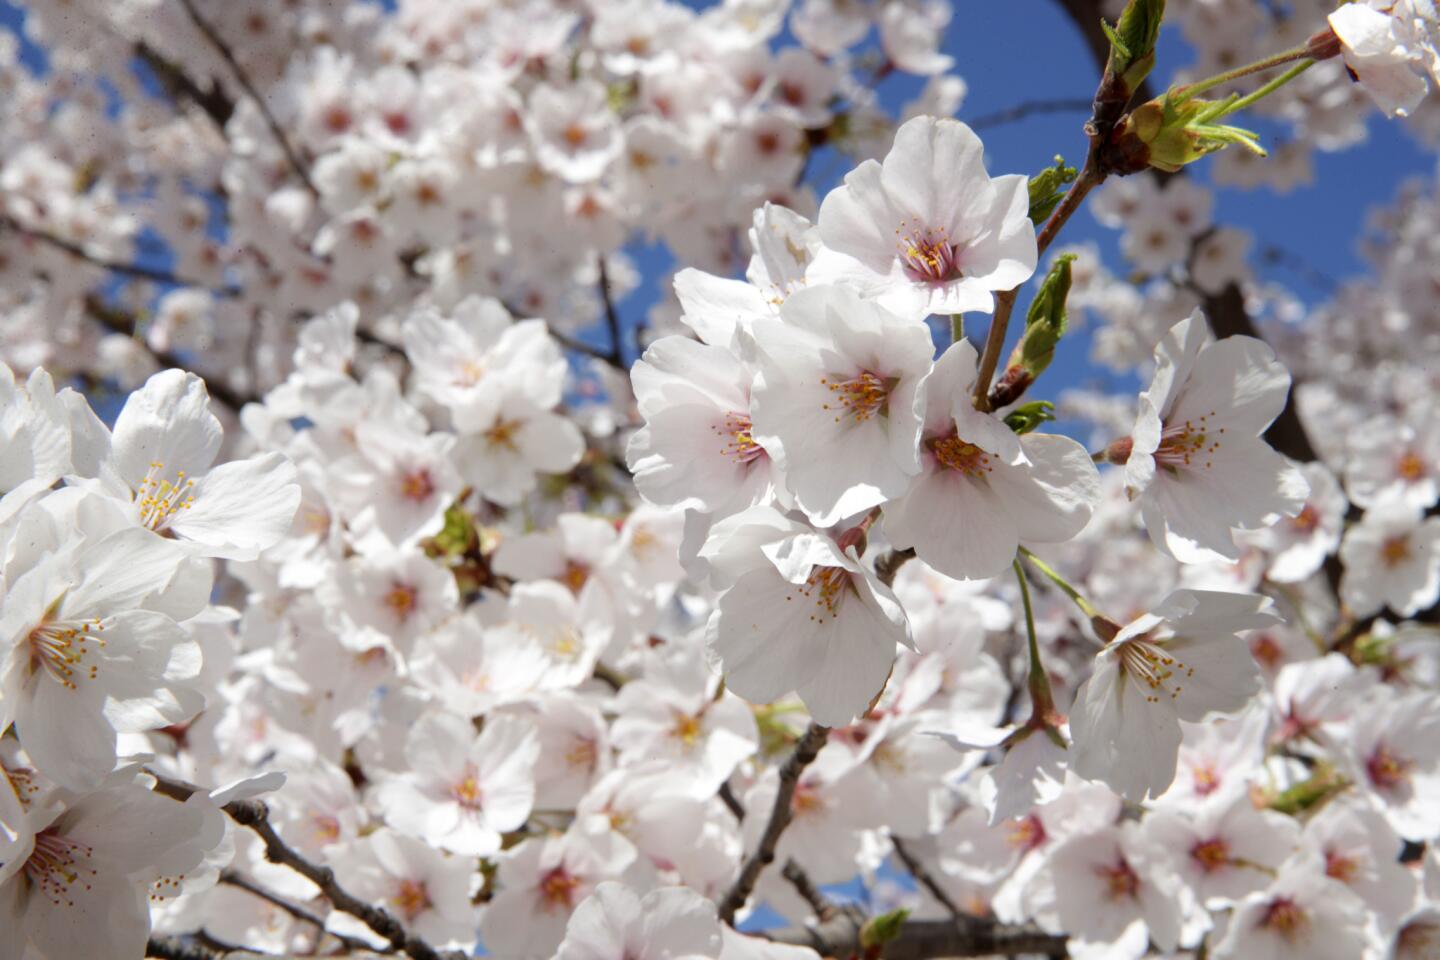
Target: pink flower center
[860,397]
[1026,834]
[56,865]
[1121,882]
[411,898]
[159,499]
[1387,771]
[1410,467]
[60,647]
[739,445]
[1395,551]
[927,255]
[417,485]
[1285,917]
[961,455]
[1340,867]
[1189,444]
[557,888]
[827,587]
[1211,855]
[467,791]
[1150,664]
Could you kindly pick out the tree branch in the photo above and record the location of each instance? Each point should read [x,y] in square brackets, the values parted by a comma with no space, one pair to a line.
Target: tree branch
[116,266]
[616,356]
[242,882]
[804,754]
[256,815]
[927,939]
[181,87]
[1029,108]
[222,48]
[118,321]
[923,877]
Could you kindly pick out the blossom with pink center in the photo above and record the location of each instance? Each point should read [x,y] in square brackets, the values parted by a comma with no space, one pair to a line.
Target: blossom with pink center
[982,489]
[836,401]
[1197,462]
[1180,662]
[800,614]
[928,231]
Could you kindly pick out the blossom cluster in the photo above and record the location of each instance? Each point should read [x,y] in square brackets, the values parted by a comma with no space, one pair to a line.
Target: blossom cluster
[419,624]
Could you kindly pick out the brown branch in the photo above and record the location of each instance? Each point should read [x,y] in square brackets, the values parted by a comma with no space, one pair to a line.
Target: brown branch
[887,565]
[118,321]
[927,939]
[228,55]
[192,948]
[616,356]
[925,879]
[115,266]
[732,802]
[796,876]
[256,815]
[180,87]
[242,882]
[1027,109]
[804,754]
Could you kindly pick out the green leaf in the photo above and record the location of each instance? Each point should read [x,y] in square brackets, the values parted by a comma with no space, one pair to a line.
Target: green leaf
[1047,190]
[880,930]
[1029,416]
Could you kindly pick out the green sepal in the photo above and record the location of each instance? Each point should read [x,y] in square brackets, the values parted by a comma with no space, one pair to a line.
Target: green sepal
[881,929]
[1047,190]
[1027,417]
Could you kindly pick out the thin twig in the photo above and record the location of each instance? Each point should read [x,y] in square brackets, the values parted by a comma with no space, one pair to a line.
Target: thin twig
[118,321]
[796,876]
[242,882]
[1029,108]
[616,356]
[115,266]
[887,565]
[804,754]
[255,815]
[923,877]
[923,939]
[732,802]
[222,48]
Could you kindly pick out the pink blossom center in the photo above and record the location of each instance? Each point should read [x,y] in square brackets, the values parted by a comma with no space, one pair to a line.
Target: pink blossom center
[1285,917]
[859,397]
[411,898]
[1189,444]
[926,254]
[557,888]
[961,455]
[56,865]
[1211,855]
[739,442]
[1121,882]
[1026,833]
[60,648]
[1152,665]
[1387,771]
[826,587]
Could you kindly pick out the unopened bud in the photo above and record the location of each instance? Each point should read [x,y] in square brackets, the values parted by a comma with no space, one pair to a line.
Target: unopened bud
[1119,451]
[1323,45]
[1105,628]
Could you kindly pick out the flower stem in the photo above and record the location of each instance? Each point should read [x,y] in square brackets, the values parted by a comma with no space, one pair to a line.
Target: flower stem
[1188,91]
[1234,106]
[1039,682]
[957,327]
[1086,607]
[1090,177]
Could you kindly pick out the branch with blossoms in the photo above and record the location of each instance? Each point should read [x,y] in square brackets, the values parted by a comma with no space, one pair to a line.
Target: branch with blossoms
[254,815]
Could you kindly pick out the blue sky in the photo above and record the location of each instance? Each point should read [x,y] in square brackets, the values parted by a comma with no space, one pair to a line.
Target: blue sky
[1021,50]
